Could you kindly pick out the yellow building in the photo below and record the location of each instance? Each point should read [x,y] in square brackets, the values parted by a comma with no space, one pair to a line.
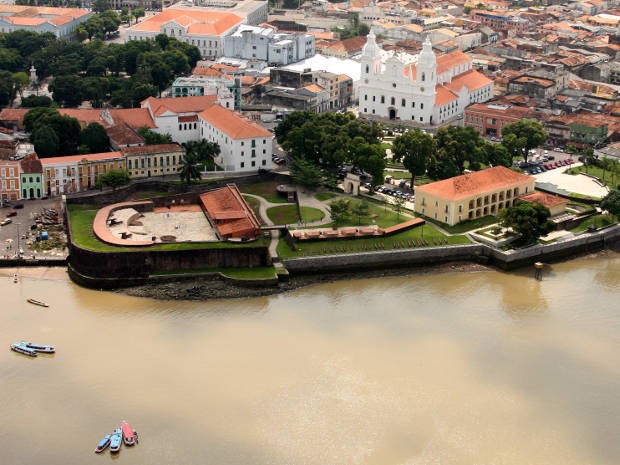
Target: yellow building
[473,195]
[153,160]
[77,173]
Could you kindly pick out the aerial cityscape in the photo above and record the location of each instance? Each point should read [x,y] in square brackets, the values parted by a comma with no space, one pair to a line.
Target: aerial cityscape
[310,232]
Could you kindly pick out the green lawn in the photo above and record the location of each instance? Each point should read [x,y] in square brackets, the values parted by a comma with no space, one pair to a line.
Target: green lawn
[266,189]
[422,236]
[323,196]
[82,217]
[287,214]
[608,178]
[465,226]
[397,174]
[598,220]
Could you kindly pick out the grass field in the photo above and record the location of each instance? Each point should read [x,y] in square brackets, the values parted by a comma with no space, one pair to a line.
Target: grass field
[323,196]
[82,217]
[422,236]
[608,178]
[266,190]
[287,214]
[598,221]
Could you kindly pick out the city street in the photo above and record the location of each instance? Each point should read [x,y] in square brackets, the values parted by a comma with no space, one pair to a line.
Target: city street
[16,235]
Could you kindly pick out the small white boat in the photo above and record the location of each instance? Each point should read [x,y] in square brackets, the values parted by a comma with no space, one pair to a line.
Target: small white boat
[22,349]
[38,302]
[38,347]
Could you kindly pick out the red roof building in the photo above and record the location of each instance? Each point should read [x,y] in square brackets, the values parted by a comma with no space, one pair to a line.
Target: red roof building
[229,214]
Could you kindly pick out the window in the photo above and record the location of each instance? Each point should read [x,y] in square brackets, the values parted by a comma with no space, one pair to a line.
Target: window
[392,101]
[403,103]
[365,97]
[421,106]
[242,165]
[412,104]
[382,99]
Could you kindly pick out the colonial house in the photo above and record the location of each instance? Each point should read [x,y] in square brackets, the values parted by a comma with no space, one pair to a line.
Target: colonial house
[153,160]
[244,144]
[31,177]
[473,195]
[429,90]
[77,173]
[59,21]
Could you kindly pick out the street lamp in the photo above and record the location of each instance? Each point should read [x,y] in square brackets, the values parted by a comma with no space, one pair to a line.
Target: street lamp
[18,248]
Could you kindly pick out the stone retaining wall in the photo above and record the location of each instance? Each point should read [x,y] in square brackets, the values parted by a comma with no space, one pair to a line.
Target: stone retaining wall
[480,253]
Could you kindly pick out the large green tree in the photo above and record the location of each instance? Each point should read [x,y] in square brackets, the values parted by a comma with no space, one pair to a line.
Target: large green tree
[415,149]
[154,138]
[522,136]
[530,220]
[95,138]
[305,173]
[113,179]
[67,90]
[340,211]
[45,141]
[611,203]
[457,146]
[204,151]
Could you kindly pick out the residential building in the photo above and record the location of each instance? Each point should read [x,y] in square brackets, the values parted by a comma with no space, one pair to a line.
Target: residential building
[203,28]
[31,177]
[472,195]
[59,21]
[489,119]
[9,179]
[431,90]
[244,144]
[153,160]
[503,21]
[77,173]
[532,86]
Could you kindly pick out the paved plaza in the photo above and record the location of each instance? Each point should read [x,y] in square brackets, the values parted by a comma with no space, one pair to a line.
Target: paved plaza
[185,224]
[564,184]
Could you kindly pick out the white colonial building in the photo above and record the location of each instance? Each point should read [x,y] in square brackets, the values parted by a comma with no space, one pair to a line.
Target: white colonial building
[244,144]
[426,89]
[264,43]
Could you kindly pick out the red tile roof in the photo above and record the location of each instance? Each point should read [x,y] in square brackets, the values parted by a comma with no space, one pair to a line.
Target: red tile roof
[31,164]
[155,148]
[230,213]
[450,60]
[235,125]
[468,185]
[547,200]
[179,104]
[471,79]
[93,157]
[201,22]
[444,95]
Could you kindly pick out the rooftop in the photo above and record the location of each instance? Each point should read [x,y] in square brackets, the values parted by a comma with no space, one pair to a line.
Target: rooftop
[472,184]
[235,125]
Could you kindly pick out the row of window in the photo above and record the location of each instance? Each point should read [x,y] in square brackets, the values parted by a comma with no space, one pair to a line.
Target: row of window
[185,126]
[403,102]
[131,165]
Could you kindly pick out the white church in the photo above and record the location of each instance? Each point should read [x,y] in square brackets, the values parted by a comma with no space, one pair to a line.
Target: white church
[429,90]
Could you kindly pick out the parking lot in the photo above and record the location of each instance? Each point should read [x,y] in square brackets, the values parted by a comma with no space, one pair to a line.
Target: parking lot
[16,236]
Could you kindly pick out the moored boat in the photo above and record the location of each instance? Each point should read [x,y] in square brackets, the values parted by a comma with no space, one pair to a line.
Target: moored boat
[39,347]
[116,440]
[22,349]
[38,302]
[128,434]
[103,444]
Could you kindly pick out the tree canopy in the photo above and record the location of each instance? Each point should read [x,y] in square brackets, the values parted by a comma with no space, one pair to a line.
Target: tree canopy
[328,140]
[522,136]
[415,149]
[530,220]
[154,138]
[611,203]
[95,138]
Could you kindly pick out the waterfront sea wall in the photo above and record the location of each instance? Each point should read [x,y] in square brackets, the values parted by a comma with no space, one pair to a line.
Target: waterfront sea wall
[479,253]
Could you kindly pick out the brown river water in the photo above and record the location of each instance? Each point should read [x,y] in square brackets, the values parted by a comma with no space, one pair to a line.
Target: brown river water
[454,368]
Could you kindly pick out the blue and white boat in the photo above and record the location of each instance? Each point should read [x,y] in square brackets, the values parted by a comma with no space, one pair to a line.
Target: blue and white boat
[116,440]
[22,349]
[39,347]
[103,444]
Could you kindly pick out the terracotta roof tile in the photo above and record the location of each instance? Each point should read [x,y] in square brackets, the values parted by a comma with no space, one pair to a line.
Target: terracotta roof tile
[155,148]
[468,185]
[471,79]
[444,95]
[547,200]
[233,124]
[230,213]
[201,22]
[179,104]
[450,60]
[77,158]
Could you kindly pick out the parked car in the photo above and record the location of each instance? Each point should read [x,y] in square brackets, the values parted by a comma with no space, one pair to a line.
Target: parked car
[550,157]
[5,221]
[280,161]
[11,213]
[18,205]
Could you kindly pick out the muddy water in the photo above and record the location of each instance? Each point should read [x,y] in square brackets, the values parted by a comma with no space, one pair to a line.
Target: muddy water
[457,368]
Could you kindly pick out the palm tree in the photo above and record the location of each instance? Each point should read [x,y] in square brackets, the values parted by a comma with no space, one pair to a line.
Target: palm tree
[189,168]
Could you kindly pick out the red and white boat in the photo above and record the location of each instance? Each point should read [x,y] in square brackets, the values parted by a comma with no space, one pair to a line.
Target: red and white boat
[129,438]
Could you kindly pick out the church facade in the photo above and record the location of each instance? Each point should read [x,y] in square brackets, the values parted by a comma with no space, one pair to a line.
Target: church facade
[430,90]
